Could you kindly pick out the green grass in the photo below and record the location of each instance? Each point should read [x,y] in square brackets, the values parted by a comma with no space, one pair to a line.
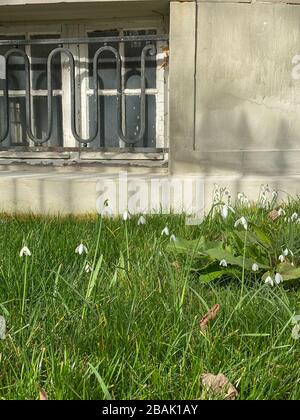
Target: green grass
[130,328]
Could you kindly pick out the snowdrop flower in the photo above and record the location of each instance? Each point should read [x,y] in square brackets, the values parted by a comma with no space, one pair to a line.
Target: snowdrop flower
[294,217]
[274,195]
[173,238]
[88,268]
[255,267]
[281,212]
[286,252]
[223,263]
[225,211]
[278,278]
[242,221]
[165,231]
[141,221]
[126,215]
[281,258]
[269,281]
[298,221]
[25,252]
[81,249]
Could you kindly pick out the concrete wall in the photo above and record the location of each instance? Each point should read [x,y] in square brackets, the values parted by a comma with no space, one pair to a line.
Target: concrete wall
[234,106]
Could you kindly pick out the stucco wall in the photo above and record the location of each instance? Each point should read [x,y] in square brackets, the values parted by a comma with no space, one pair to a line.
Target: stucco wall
[235,113]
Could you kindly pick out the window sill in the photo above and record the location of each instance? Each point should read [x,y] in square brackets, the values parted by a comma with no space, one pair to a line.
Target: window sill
[83,156]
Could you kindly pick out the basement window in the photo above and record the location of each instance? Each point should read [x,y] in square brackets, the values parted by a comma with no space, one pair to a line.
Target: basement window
[107,95]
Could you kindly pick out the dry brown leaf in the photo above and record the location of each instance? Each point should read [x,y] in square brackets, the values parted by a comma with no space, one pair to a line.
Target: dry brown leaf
[273,215]
[43,395]
[210,316]
[176,265]
[166,53]
[219,384]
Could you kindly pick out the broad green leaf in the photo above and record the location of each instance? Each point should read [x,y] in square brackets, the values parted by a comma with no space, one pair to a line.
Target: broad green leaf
[221,254]
[185,246]
[262,236]
[288,271]
[208,277]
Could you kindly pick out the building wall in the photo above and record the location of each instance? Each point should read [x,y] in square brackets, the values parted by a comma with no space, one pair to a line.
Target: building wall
[234,115]
[234,97]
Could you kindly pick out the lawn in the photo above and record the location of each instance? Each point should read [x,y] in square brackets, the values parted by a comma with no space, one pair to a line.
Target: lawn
[122,321]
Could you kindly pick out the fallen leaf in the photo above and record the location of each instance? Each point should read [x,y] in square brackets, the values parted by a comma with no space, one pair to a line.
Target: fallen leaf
[273,215]
[2,328]
[219,384]
[211,315]
[176,265]
[43,395]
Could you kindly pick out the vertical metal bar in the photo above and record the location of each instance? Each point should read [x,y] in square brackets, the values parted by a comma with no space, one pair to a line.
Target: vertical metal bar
[151,50]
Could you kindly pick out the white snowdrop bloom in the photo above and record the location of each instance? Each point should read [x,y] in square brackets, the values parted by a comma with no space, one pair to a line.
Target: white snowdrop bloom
[240,196]
[88,268]
[165,231]
[223,263]
[126,215]
[274,194]
[281,258]
[81,249]
[173,238]
[281,212]
[269,281]
[224,212]
[286,252]
[298,221]
[142,221]
[294,217]
[255,267]
[242,221]
[25,252]
[278,278]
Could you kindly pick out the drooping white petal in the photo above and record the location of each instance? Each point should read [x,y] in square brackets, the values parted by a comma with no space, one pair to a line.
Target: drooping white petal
[223,263]
[269,281]
[81,249]
[25,252]
[125,215]
[142,221]
[281,258]
[281,212]
[173,238]
[286,252]
[224,212]
[165,231]
[278,278]
[242,221]
[255,267]
[88,268]
[294,217]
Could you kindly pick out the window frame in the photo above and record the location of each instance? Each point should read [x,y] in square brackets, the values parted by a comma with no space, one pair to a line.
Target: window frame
[81,29]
